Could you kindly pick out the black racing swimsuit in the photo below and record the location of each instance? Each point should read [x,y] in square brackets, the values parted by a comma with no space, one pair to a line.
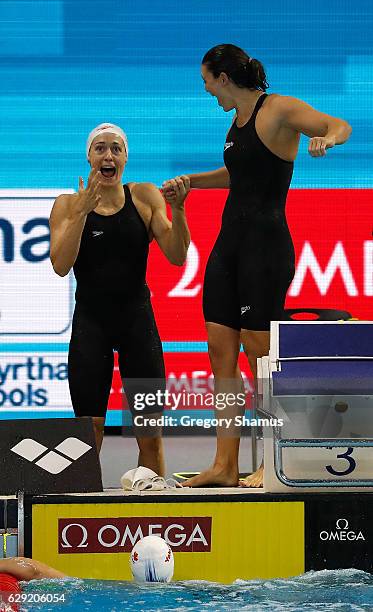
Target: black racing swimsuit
[113,312]
[252,263]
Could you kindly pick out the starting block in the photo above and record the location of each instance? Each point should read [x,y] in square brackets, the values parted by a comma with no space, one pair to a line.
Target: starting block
[317,384]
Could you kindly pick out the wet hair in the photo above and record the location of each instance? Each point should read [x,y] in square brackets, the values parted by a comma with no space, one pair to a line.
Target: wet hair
[243,70]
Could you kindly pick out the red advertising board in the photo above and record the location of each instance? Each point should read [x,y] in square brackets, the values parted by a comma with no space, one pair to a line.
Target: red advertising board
[184,371]
[332,234]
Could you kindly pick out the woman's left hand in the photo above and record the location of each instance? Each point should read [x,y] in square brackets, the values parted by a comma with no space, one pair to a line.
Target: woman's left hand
[318,145]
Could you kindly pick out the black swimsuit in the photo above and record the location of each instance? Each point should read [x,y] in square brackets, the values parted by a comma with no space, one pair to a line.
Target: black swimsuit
[113,312]
[252,263]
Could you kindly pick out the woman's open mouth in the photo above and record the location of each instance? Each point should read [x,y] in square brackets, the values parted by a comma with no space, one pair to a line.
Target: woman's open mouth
[108,171]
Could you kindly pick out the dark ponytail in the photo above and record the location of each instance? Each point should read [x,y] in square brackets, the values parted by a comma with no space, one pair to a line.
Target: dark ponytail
[243,70]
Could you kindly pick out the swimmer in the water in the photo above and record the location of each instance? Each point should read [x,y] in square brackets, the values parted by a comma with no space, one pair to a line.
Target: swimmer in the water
[27,569]
[21,569]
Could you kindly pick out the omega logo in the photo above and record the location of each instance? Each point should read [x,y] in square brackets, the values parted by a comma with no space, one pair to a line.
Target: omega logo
[342,533]
[66,543]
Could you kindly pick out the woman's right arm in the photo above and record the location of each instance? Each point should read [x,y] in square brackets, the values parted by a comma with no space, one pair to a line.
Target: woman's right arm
[217,179]
[66,224]
[67,221]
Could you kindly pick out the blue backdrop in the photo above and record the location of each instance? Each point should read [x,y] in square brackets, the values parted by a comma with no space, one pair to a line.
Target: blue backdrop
[67,65]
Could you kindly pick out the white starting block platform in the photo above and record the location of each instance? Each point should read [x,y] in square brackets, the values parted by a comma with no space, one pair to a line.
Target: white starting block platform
[318,379]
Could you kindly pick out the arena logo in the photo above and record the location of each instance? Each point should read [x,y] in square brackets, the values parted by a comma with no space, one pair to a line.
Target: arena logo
[102,535]
[52,462]
[342,533]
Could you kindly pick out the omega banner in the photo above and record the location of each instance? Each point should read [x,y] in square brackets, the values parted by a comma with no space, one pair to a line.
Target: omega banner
[339,532]
[94,539]
[232,536]
[283,535]
[91,535]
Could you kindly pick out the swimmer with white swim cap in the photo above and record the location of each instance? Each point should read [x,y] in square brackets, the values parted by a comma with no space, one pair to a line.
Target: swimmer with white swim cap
[106,128]
[103,233]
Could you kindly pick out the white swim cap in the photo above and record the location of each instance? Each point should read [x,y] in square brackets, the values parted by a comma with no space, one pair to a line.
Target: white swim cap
[106,127]
[152,560]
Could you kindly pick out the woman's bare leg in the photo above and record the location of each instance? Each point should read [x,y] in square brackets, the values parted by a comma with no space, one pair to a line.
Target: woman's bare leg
[150,443]
[256,344]
[224,347]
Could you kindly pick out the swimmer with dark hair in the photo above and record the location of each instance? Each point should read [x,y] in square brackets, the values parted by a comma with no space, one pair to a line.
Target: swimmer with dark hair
[252,263]
[103,232]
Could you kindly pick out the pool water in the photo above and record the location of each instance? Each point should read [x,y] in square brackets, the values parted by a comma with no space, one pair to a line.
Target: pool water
[340,591]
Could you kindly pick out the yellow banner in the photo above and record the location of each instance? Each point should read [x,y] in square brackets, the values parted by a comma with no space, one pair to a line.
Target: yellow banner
[217,541]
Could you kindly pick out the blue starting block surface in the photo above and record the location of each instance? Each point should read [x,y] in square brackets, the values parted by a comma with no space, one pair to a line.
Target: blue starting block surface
[322,358]
[324,377]
[315,340]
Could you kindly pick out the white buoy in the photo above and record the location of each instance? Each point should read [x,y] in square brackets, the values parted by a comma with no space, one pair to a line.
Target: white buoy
[152,560]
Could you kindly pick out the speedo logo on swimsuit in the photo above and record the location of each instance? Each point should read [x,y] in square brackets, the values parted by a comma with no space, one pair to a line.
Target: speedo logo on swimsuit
[227,145]
[95,234]
[244,309]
